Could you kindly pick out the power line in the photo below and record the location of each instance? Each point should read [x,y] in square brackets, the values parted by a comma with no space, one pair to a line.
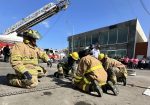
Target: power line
[143,5]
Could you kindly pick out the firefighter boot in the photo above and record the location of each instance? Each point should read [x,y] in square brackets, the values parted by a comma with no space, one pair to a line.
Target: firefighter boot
[58,75]
[112,87]
[13,80]
[95,87]
[10,76]
[124,80]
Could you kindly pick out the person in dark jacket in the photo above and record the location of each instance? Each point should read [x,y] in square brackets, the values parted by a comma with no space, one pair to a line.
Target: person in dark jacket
[6,53]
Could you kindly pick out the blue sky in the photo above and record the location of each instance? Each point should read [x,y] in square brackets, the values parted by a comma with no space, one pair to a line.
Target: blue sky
[80,16]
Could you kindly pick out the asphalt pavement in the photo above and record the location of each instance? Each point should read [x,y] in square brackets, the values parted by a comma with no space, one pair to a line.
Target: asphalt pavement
[62,92]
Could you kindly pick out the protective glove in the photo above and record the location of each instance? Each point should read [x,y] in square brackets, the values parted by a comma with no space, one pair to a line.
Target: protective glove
[49,63]
[27,75]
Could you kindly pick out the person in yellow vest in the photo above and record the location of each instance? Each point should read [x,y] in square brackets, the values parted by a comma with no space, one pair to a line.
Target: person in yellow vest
[24,60]
[91,76]
[116,70]
[66,65]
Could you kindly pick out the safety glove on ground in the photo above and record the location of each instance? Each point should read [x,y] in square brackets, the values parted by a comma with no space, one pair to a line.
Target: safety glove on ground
[27,75]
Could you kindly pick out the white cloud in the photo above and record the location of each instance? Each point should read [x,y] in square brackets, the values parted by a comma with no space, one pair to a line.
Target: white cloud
[45,23]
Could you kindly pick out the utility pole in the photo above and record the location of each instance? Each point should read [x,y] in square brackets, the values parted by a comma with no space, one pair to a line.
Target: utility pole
[72,38]
[71,27]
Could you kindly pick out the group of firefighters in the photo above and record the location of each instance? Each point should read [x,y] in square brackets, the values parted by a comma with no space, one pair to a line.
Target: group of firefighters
[90,75]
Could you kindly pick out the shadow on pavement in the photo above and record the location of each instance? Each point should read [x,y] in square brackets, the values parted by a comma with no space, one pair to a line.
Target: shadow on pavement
[3,80]
[65,82]
[133,85]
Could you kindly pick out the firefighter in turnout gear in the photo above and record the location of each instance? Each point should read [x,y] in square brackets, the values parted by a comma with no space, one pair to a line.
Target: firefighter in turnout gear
[24,60]
[67,64]
[116,71]
[91,76]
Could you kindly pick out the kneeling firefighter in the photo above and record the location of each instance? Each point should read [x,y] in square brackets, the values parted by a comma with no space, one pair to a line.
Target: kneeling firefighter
[67,64]
[91,76]
[116,70]
[24,60]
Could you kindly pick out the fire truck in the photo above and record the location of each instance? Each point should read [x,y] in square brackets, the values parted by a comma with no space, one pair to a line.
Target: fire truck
[54,55]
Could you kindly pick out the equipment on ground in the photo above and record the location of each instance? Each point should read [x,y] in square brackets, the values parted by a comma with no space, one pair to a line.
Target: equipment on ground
[131,72]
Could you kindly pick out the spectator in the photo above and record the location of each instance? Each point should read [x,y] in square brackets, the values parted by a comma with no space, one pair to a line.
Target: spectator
[147,62]
[6,53]
[143,62]
[126,61]
[135,63]
[1,52]
[95,51]
[131,63]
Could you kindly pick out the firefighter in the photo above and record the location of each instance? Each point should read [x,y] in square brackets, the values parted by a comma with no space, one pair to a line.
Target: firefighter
[24,60]
[116,70]
[91,76]
[67,64]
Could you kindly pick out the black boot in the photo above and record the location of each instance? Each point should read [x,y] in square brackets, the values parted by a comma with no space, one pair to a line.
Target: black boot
[113,88]
[96,88]
[124,80]
[104,88]
[58,75]
[11,76]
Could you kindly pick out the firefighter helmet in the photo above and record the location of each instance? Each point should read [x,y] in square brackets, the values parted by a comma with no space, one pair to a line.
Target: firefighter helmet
[101,56]
[75,55]
[32,34]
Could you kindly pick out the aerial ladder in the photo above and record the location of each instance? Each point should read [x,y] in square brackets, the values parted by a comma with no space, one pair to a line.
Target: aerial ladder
[43,13]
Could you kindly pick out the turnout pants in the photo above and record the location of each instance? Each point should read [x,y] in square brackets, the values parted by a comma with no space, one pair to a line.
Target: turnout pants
[115,73]
[18,81]
[84,83]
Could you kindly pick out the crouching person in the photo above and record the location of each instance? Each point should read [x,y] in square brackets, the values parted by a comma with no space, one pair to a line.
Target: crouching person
[24,60]
[91,76]
[116,71]
[66,65]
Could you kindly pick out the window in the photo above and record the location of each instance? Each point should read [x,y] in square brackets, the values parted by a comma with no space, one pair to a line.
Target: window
[70,44]
[112,36]
[121,53]
[88,40]
[103,51]
[122,35]
[103,38]
[75,44]
[95,38]
[112,53]
[82,41]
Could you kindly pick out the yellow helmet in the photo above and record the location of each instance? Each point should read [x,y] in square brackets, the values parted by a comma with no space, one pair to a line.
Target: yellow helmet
[32,34]
[101,56]
[75,55]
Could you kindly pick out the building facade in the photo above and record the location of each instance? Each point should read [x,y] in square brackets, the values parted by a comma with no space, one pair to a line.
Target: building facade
[115,40]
